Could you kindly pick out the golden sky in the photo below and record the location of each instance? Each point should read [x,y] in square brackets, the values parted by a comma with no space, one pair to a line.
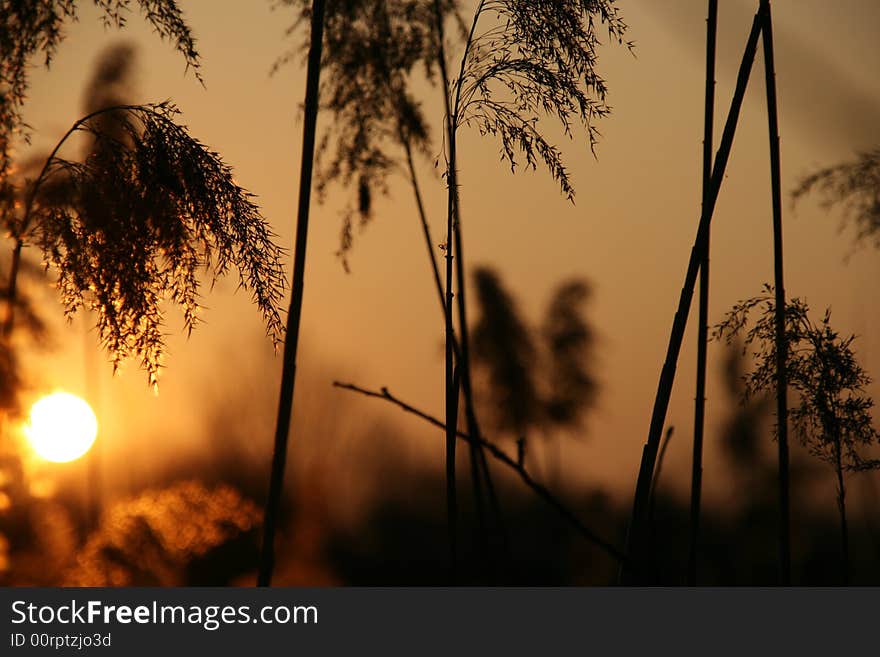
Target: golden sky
[630,232]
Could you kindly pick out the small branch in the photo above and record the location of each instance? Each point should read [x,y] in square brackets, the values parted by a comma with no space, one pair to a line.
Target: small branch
[539,489]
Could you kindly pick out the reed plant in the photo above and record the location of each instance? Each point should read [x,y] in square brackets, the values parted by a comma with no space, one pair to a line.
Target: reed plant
[832,412]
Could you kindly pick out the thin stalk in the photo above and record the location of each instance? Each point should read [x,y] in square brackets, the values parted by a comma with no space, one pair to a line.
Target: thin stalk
[661,459]
[423,217]
[476,451]
[451,496]
[394,90]
[476,456]
[781,342]
[636,533]
[426,230]
[479,464]
[288,375]
[451,488]
[841,507]
[96,453]
[450,383]
[703,311]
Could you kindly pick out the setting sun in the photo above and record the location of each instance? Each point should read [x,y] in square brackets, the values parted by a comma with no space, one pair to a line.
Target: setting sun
[62,427]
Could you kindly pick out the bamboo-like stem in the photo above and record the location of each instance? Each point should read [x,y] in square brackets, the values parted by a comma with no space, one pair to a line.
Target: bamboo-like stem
[499,455]
[456,351]
[479,468]
[661,459]
[479,464]
[291,341]
[703,311]
[450,462]
[781,342]
[841,507]
[451,384]
[426,230]
[636,533]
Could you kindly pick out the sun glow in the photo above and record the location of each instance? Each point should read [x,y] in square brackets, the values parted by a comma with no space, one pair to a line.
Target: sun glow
[62,427]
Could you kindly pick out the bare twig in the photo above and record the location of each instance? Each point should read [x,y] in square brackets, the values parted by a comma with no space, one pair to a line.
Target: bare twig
[500,455]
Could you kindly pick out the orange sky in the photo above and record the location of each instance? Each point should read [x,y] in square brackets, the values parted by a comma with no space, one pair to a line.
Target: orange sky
[630,232]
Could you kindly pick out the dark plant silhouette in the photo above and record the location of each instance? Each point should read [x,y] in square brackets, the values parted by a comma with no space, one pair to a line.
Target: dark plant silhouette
[504,347]
[537,379]
[138,219]
[520,62]
[571,387]
[34,28]
[661,459]
[148,206]
[779,289]
[853,186]
[741,436]
[638,531]
[291,342]
[832,416]
[372,50]
[533,61]
[703,308]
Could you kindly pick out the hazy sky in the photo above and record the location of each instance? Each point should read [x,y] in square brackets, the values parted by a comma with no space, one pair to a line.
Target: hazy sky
[630,232]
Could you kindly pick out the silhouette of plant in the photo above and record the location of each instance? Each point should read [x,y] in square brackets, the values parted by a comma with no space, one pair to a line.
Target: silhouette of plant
[832,416]
[138,219]
[703,301]
[291,342]
[36,27]
[504,346]
[570,339]
[741,431]
[538,378]
[536,60]
[372,49]
[855,187]
[637,532]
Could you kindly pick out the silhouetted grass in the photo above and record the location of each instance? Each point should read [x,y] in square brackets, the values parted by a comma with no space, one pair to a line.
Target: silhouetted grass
[832,415]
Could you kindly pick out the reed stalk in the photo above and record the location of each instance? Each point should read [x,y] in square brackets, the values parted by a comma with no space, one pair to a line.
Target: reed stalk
[781,340]
[703,311]
[291,341]
[637,533]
